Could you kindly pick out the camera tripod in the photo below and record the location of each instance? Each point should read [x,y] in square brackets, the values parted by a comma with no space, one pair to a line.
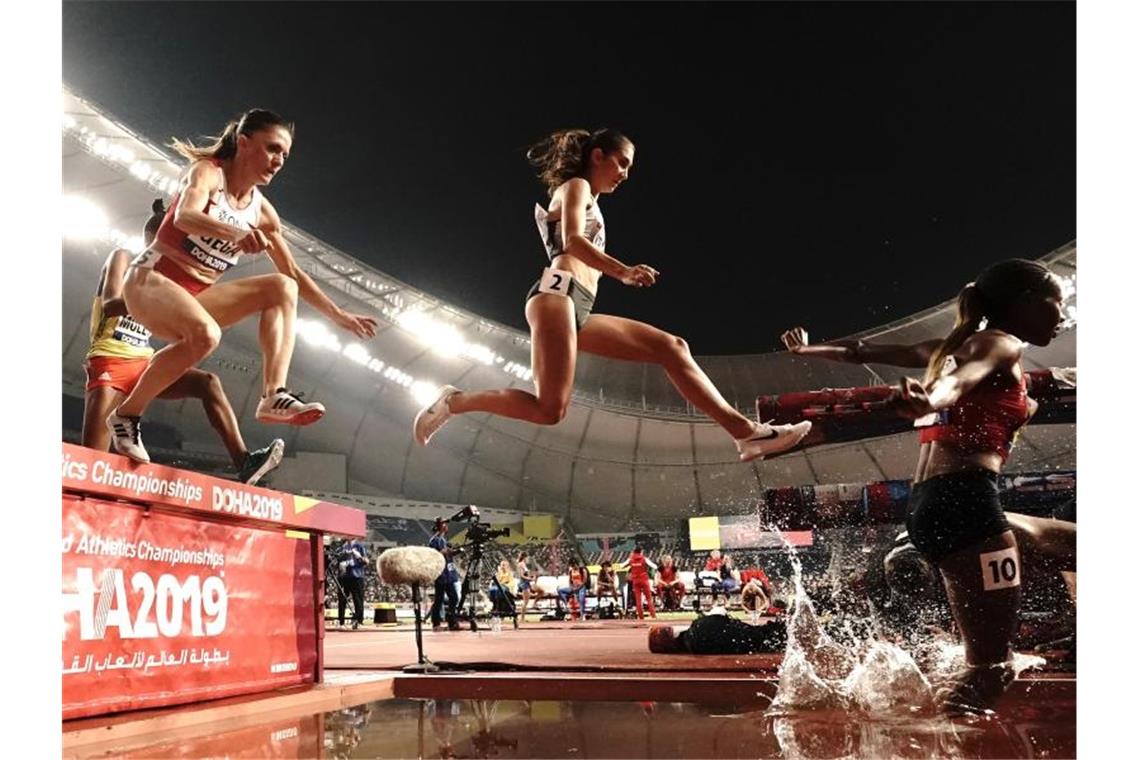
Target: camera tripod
[470,591]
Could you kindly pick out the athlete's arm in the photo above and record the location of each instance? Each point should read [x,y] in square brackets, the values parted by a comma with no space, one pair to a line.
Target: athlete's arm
[189,215]
[575,199]
[858,352]
[360,325]
[111,293]
[982,353]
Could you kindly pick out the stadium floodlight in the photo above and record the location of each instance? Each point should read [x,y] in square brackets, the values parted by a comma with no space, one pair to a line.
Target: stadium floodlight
[132,243]
[423,391]
[357,353]
[121,153]
[399,377]
[83,219]
[440,337]
[315,333]
[480,353]
[521,371]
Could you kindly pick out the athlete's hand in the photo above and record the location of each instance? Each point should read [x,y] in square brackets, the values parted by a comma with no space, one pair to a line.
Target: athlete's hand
[254,242]
[795,340]
[640,276]
[912,400]
[358,324]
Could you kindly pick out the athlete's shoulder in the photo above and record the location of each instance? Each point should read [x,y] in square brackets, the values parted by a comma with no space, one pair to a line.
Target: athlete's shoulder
[997,344]
[267,212]
[205,171]
[574,186]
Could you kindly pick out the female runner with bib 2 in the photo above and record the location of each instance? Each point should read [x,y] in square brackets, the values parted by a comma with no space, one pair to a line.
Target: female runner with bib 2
[577,167]
[171,288]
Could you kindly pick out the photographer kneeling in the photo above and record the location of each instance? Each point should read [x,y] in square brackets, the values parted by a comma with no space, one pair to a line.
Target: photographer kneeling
[445,583]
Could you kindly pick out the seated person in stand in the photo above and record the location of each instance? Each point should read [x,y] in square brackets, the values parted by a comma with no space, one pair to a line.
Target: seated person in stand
[501,605]
[579,578]
[668,586]
[608,583]
[729,576]
[712,564]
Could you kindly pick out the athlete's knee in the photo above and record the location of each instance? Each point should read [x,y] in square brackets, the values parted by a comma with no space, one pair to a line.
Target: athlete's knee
[284,288]
[203,337]
[211,386]
[674,349]
[551,412]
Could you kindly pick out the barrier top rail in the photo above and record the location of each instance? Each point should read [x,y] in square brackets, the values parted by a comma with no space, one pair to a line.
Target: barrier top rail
[110,476]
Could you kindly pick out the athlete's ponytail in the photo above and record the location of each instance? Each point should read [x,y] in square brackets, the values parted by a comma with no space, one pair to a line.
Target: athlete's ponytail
[989,297]
[225,145]
[565,154]
[970,315]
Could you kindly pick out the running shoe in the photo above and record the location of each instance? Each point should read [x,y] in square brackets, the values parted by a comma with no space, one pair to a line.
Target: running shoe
[433,416]
[771,439]
[286,407]
[260,462]
[126,437]
[974,690]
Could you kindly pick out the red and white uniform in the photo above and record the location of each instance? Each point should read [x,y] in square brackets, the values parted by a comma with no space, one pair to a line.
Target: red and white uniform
[206,257]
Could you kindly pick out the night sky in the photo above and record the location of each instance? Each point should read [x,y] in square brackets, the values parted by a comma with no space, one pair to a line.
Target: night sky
[835,165]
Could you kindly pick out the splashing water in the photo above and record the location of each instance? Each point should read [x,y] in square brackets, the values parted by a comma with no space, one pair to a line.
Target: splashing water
[866,674]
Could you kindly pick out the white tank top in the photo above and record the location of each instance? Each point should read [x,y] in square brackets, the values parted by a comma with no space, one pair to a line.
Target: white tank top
[209,253]
[551,232]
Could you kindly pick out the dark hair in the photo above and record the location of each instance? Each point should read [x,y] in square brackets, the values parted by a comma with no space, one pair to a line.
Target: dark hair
[157,213]
[989,297]
[225,145]
[522,556]
[566,153]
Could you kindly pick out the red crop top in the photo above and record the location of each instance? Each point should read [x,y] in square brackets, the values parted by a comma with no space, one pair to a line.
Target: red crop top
[985,419]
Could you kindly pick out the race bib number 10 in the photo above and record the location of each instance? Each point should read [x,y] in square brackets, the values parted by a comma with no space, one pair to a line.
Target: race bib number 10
[555,281]
[1000,569]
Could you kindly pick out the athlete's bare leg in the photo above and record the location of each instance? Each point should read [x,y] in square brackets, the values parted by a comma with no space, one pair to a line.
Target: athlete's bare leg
[1054,541]
[986,618]
[630,340]
[174,315]
[274,296]
[553,359]
[97,404]
[206,387]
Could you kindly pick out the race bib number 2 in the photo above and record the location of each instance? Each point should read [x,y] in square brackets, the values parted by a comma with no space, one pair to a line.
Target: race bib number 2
[555,281]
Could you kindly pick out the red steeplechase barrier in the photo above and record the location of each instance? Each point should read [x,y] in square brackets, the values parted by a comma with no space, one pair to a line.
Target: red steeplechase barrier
[180,587]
